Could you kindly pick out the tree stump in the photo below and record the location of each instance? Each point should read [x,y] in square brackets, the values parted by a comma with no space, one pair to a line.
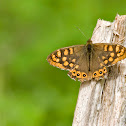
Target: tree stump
[103,103]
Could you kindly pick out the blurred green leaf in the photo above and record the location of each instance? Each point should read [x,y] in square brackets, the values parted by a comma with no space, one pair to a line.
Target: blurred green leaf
[33,93]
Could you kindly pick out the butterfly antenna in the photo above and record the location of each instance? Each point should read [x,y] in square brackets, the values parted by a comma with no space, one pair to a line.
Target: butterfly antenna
[81,32]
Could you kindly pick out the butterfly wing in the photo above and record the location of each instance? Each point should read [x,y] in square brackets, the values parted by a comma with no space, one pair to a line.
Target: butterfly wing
[109,54]
[103,56]
[65,58]
[73,58]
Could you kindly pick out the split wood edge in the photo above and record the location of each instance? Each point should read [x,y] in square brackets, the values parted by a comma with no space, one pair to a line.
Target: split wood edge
[103,103]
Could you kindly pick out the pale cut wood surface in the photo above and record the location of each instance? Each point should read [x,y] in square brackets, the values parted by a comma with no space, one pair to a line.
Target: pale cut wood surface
[103,103]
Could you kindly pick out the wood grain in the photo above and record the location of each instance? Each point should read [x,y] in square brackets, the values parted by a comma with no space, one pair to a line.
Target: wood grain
[103,103]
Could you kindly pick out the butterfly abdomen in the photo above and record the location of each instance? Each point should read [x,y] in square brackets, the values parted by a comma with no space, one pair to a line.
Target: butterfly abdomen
[89,50]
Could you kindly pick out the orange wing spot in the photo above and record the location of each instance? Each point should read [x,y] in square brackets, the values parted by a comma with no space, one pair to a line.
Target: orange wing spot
[53,63]
[66,52]
[73,72]
[71,64]
[104,70]
[58,53]
[124,56]
[106,61]
[122,50]
[61,66]
[110,59]
[66,63]
[53,56]
[57,60]
[100,72]
[112,54]
[101,64]
[57,64]
[84,75]
[120,58]
[54,59]
[103,57]
[116,60]
[76,66]
[105,47]
[120,53]
[64,58]
[71,50]
[110,48]
[78,74]
[73,60]
[117,48]
[95,74]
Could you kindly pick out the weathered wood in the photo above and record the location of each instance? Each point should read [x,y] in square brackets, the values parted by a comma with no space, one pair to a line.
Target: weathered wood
[103,103]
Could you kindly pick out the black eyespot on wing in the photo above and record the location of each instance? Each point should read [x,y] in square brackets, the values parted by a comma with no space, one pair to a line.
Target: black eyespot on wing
[95,74]
[100,72]
[84,75]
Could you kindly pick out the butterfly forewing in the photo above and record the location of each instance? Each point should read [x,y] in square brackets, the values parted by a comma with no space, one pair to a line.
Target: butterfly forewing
[65,58]
[109,54]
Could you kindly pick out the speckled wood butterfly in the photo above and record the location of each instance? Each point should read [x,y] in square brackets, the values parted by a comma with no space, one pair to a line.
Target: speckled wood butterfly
[86,62]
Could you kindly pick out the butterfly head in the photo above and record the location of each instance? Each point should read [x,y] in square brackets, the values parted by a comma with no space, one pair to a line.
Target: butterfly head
[89,41]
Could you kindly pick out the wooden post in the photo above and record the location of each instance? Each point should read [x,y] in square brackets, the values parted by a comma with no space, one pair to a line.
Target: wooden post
[103,103]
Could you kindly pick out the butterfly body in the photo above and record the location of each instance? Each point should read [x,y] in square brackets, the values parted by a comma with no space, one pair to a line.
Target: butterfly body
[86,62]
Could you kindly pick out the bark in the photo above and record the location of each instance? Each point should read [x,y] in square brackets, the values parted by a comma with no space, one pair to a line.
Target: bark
[103,103]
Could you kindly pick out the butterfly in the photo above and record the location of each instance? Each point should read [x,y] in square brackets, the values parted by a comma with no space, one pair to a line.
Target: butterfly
[87,62]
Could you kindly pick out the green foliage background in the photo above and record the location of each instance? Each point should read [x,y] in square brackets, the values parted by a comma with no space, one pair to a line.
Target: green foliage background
[33,93]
